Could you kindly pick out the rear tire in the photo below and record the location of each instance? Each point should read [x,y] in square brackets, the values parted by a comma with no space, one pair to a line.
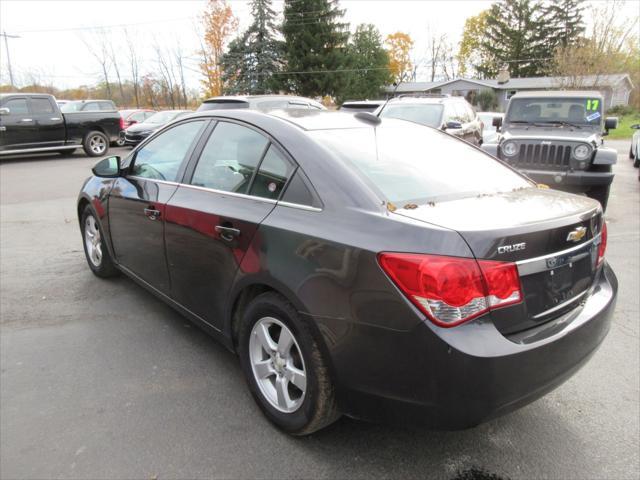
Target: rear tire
[95,144]
[95,248]
[291,385]
[600,194]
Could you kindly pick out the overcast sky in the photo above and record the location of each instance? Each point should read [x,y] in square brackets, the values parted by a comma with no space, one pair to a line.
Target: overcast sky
[51,47]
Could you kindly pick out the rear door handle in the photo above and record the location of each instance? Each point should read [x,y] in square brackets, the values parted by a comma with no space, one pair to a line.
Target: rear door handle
[55,118]
[151,213]
[25,120]
[227,233]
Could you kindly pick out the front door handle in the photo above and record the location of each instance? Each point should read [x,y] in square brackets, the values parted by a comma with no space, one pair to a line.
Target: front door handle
[227,233]
[25,120]
[151,213]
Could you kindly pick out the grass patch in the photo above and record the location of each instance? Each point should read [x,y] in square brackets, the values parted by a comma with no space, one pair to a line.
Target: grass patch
[624,129]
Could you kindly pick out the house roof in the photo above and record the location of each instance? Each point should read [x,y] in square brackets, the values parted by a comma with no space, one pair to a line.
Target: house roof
[585,81]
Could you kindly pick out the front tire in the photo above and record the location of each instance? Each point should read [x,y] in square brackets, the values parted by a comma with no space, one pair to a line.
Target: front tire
[284,368]
[95,144]
[95,249]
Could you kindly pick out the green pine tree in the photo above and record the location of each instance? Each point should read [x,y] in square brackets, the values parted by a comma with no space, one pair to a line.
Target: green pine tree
[370,62]
[566,22]
[315,47]
[254,57]
[516,35]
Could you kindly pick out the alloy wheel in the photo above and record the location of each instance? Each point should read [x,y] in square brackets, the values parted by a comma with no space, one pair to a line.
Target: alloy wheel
[97,144]
[93,241]
[277,364]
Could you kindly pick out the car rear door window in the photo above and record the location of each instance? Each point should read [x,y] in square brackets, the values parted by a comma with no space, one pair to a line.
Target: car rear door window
[17,106]
[161,157]
[41,106]
[230,158]
[272,175]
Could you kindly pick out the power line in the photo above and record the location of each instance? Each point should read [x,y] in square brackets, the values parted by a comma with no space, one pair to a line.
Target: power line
[102,27]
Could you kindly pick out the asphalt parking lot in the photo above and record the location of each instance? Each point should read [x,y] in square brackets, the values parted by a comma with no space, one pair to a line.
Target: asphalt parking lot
[99,379]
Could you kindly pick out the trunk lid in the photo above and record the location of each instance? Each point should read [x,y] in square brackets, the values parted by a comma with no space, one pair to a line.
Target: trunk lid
[552,236]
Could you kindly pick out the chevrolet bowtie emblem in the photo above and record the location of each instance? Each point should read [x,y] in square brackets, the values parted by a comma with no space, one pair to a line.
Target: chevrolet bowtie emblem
[577,234]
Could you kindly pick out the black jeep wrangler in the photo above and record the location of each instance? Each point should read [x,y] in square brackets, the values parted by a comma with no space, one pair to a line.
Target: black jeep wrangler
[555,138]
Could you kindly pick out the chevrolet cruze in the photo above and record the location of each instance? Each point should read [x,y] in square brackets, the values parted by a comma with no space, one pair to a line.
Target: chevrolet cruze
[369,267]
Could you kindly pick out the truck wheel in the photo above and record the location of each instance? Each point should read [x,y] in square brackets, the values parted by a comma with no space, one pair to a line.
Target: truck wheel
[600,194]
[95,144]
[284,367]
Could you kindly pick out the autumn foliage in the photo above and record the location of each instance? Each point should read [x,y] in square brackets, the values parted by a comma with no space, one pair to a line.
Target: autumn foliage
[219,23]
[399,46]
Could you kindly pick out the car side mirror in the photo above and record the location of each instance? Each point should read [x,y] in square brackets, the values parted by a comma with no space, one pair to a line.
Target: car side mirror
[107,167]
[611,123]
[453,125]
[5,111]
[496,122]
[636,126]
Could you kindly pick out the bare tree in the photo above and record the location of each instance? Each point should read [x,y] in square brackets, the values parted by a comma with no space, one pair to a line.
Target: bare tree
[436,45]
[179,63]
[166,80]
[114,61]
[133,66]
[99,49]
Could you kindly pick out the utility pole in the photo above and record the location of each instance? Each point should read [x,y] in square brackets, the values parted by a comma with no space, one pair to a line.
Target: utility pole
[6,46]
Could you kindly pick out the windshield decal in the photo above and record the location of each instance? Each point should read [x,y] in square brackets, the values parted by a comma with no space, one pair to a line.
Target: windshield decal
[593,104]
[593,116]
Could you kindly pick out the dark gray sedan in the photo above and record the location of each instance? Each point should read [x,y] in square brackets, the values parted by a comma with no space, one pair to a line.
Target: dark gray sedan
[374,268]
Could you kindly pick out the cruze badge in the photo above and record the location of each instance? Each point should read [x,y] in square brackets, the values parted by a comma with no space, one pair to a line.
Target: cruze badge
[577,234]
[512,248]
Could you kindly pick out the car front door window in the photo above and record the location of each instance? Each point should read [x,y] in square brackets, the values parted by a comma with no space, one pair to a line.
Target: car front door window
[161,158]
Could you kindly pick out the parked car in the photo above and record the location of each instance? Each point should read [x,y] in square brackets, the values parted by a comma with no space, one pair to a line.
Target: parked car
[453,115]
[489,130]
[139,131]
[556,138]
[131,117]
[62,102]
[259,102]
[88,106]
[355,106]
[634,151]
[33,123]
[361,266]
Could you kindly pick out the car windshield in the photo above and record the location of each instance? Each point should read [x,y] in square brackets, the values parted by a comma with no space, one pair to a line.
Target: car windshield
[429,114]
[161,118]
[413,164]
[579,111]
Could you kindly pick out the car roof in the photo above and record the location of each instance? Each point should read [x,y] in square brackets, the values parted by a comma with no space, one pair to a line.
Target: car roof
[362,102]
[308,120]
[557,94]
[437,100]
[247,98]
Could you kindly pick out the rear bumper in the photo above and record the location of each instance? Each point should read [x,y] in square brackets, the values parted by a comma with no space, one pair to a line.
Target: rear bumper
[558,179]
[457,378]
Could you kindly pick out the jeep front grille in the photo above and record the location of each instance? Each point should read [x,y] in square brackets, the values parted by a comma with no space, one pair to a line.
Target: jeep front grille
[544,157]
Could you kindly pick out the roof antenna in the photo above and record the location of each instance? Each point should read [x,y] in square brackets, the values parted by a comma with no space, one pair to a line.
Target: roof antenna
[396,85]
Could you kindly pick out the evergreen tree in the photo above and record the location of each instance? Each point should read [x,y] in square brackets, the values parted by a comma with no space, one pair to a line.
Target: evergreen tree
[565,20]
[516,35]
[315,44]
[255,56]
[370,62]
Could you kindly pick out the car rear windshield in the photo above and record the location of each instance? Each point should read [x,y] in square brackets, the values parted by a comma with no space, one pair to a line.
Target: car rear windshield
[414,164]
[584,111]
[429,114]
[226,105]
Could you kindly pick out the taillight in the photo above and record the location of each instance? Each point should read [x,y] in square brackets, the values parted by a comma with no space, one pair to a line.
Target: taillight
[603,243]
[121,123]
[452,290]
